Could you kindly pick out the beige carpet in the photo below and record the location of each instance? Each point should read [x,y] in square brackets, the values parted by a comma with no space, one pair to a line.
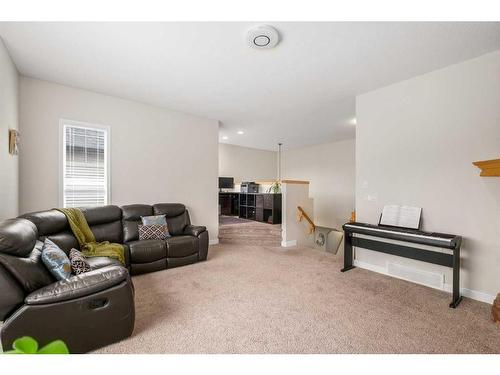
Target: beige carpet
[253,299]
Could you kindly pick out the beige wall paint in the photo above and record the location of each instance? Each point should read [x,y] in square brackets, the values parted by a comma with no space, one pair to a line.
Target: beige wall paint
[247,164]
[9,164]
[330,168]
[157,155]
[416,141]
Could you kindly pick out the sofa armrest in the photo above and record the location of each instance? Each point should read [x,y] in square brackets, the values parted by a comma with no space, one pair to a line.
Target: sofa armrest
[194,230]
[78,286]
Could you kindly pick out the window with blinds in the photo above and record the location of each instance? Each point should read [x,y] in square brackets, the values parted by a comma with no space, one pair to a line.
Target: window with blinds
[85,166]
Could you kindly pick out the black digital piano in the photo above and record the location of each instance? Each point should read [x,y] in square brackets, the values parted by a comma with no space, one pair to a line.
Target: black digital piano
[439,240]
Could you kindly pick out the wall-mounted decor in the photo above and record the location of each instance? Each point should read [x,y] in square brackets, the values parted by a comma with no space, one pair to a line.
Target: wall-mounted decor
[13,142]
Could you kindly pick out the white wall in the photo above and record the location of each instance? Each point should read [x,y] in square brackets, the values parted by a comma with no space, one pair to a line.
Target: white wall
[330,168]
[157,155]
[9,164]
[247,164]
[416,141]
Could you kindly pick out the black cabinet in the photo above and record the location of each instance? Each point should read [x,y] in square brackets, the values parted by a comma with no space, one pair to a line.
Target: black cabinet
[229,203]
[261,207]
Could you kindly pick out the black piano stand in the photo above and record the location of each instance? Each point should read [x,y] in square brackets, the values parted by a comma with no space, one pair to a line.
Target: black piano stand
[442,259]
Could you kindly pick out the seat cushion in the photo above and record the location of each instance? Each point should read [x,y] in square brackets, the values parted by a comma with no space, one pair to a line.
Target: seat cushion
[147,251]
[181,246]
[100,262]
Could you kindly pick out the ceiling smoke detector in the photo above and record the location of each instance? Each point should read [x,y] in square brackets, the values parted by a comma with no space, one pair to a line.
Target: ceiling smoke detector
[262,36]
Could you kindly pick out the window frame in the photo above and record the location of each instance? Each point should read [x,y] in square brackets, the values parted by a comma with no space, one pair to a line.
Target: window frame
[63,122]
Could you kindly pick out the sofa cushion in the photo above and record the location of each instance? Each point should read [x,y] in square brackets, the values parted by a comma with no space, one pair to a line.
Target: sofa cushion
[102,215]
[147,251]
[131,217]
[17,237]
[48,222]
[176,214]
[169,209]
[65,240]
[181,246]
[112,232]
[78,286]
[101,262]
[29,272]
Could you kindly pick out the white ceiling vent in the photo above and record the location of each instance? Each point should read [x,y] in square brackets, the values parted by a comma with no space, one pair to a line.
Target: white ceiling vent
[263,36]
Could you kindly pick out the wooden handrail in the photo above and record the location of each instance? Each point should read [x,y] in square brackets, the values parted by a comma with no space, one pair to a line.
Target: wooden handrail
[302,214]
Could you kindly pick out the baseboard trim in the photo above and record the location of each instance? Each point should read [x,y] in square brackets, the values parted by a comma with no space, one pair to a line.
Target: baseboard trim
[289,243]
[213,241]
[469,293]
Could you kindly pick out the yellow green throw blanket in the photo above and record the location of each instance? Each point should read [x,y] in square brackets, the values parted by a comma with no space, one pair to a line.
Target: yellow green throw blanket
[86,239]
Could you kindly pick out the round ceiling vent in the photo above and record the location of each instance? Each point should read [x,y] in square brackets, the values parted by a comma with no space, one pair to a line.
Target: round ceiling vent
[263,36]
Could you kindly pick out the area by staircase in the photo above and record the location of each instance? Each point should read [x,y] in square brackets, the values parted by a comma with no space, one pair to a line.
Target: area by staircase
[250,233]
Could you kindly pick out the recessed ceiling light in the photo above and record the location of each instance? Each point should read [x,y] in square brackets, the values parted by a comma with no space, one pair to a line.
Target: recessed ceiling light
[241,132]
[224,138]
[353,121]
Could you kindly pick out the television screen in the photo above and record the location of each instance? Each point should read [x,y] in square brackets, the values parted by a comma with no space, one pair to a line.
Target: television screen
[226,182]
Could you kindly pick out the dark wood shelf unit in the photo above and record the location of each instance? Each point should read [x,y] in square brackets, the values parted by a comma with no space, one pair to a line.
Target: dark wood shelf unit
[263,207]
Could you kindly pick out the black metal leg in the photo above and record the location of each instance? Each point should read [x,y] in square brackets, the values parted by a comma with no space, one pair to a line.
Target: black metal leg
[457,298]
[348,256]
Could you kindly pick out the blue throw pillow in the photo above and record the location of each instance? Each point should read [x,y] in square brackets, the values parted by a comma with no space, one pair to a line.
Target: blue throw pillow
[154,220]
[56,260]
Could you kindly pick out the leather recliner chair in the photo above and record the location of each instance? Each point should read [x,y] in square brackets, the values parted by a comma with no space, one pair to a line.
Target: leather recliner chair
[96,308]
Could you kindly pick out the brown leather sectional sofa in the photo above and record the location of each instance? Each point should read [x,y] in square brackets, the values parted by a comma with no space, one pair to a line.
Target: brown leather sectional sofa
[96,308]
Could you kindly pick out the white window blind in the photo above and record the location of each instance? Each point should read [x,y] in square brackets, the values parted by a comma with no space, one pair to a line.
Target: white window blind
[85,166]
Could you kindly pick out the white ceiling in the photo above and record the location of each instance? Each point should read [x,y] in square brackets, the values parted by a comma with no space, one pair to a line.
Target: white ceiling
[300,93]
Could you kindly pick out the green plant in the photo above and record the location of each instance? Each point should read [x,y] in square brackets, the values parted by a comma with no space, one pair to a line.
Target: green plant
[28,345]
[275,188]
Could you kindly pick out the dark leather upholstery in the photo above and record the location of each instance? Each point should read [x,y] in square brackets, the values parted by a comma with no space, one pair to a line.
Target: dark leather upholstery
[48,222]
[33,303]
[17,237]
[100,262]
[203,252]
[176,214]
[169,209]
[65,240]
[139,268]
[194,230]
[102,215]
[181,246]
[184,261]
[30,273]
[12,295]
[84,323]
[131,218]
[146,251]
[78,286]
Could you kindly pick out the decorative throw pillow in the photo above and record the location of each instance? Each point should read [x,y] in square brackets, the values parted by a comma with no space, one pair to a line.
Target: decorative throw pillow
[78,262]
[56,260]
[154,220]
[153,232]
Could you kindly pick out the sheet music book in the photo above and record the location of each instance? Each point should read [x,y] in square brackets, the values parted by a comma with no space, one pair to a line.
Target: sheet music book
[401,216]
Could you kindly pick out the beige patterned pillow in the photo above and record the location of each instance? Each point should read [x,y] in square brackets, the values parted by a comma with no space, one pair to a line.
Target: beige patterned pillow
[153,232]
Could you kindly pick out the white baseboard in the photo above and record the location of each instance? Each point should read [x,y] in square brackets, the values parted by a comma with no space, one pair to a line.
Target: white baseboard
[213,241]
[469,293]
[289,243]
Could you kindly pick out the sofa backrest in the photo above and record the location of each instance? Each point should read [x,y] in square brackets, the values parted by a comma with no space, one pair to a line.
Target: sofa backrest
[176,214]
[21,270]
[104,222]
